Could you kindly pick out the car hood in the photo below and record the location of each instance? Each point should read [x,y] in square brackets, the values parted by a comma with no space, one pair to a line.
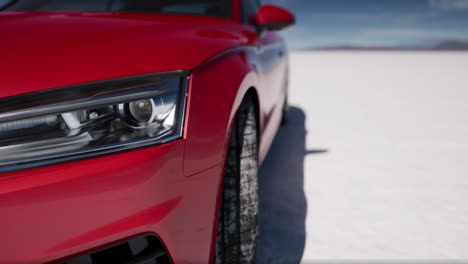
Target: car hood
[42,50]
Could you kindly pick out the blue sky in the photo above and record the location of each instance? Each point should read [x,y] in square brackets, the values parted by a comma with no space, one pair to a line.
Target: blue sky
[375,22]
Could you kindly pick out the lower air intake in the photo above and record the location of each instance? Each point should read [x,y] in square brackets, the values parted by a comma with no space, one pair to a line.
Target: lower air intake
[141,250]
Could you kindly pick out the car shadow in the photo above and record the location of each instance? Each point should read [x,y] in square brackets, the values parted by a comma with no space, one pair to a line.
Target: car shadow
[283,205]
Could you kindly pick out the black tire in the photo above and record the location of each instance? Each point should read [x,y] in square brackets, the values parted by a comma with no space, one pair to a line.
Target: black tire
[236,241]
[284,115]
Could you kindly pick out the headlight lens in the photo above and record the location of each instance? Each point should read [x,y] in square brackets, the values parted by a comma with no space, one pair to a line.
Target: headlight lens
[142,111]
[91,119]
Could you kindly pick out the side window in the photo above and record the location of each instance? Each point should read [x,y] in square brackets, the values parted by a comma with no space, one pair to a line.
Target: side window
[249,9]
[85,5]
[4,3]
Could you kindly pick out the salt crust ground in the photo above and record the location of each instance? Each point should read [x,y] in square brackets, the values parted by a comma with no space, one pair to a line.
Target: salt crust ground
[373,166]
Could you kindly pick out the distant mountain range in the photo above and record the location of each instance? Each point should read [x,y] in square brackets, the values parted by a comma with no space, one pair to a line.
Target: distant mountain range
[449,45]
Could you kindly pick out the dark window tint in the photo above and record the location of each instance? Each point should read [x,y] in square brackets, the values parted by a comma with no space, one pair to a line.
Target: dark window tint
[216,8]
[4,3]
[249,10]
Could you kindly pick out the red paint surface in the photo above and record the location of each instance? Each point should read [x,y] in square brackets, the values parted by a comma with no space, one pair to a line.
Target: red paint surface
[54,212]
[46,50]
[271,14]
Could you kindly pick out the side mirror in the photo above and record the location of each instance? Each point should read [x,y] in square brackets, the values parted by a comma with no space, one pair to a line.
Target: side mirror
[271,17]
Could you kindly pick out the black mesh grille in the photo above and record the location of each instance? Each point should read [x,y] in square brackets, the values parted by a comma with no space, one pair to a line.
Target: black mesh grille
[141,250]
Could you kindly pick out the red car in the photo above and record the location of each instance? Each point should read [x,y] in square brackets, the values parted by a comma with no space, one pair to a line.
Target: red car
[131,131]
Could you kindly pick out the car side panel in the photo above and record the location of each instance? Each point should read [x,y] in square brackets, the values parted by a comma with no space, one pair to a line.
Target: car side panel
[272,67]
[217,89]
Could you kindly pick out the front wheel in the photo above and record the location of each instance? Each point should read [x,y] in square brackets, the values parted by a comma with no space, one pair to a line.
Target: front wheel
[236,241]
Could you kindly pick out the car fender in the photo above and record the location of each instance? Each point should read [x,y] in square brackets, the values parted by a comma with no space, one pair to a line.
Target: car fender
[217,88]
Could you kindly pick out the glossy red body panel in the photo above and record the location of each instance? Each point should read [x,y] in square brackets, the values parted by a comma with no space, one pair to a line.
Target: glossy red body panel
[172,190]
[46,50]
[52,212]
[271,14]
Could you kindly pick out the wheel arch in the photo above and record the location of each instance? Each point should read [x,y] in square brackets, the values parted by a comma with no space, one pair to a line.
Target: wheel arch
[217,89]
[252,91]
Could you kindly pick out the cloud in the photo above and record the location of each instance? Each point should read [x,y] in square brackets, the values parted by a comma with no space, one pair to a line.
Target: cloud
[377,17]
[279,2]
[449,4]
[416,33]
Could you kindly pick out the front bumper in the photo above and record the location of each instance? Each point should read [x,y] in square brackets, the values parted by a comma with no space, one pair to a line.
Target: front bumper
[51,213]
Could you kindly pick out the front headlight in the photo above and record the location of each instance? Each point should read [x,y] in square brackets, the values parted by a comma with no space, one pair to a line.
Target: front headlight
[91,119]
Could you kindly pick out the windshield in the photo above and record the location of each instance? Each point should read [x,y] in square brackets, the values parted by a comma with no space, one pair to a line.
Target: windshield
[215,8]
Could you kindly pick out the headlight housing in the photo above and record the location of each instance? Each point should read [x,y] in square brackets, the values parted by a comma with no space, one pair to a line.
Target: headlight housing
[91,119]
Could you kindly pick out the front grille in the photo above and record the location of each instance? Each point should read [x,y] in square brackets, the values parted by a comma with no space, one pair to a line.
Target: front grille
[146,249]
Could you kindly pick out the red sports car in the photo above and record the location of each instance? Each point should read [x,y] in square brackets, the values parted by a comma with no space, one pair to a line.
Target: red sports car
[131,131]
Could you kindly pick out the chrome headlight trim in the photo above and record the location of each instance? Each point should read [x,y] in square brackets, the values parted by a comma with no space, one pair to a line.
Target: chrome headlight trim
[91,95]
